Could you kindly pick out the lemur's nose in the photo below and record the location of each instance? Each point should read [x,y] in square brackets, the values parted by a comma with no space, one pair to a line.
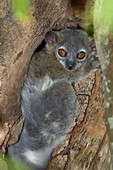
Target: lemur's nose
[70,63]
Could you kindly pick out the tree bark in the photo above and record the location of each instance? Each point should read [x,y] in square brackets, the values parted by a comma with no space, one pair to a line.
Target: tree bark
[86,146]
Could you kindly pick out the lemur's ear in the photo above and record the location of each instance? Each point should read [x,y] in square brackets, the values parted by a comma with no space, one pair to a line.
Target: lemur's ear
[51,38]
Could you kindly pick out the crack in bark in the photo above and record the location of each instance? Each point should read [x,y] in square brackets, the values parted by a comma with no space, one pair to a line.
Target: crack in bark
[99,149]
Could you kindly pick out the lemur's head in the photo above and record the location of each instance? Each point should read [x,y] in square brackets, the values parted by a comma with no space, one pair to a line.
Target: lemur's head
[69,46]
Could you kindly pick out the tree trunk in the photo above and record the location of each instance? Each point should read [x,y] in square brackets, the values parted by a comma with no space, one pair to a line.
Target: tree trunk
[86,146]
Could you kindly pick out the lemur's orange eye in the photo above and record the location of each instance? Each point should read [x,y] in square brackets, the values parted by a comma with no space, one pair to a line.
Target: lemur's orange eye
[62,52]
[81,55]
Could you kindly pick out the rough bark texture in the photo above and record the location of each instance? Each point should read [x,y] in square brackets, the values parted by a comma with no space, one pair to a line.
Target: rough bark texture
[86,146]
[105,51]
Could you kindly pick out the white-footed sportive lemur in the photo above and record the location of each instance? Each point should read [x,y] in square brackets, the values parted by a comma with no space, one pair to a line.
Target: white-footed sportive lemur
[48,100]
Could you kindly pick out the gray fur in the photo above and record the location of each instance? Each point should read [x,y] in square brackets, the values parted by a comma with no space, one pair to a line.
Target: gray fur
[48,99]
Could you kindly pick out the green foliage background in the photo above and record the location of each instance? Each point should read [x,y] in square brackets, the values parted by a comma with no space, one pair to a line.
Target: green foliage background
[20,9]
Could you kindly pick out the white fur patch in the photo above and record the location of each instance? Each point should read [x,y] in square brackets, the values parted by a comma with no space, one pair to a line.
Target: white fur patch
[43,84]
[54,124]
[63,63]
[41,157]
[40,85]
[48,114]
[47,82]
[38,158]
